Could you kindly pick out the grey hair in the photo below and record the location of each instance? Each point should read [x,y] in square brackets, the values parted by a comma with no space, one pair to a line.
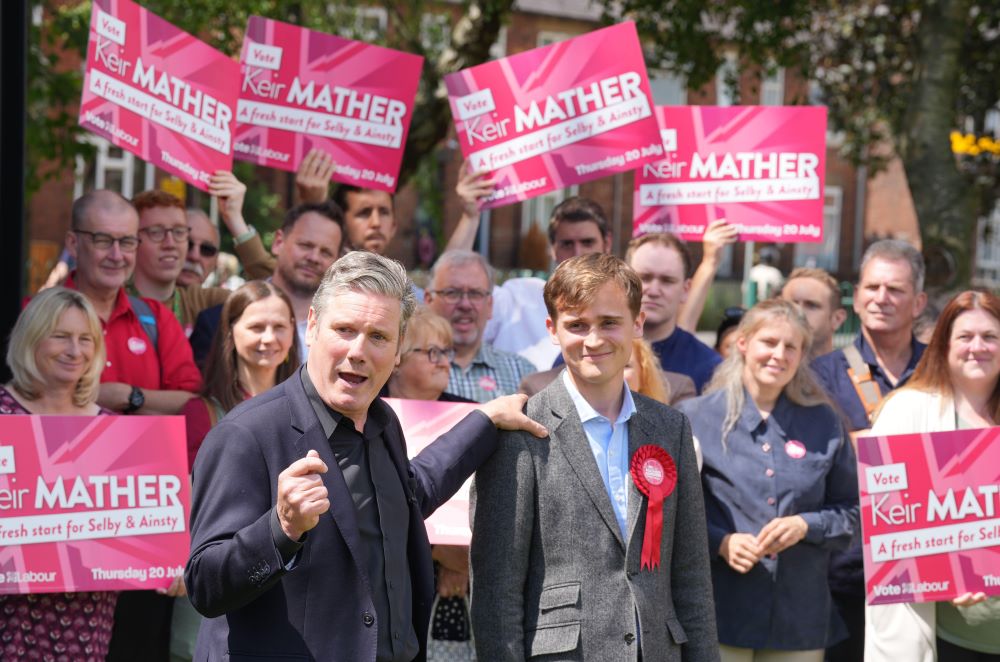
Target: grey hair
[897,250]
[457,257]
[102,200]
[364,271]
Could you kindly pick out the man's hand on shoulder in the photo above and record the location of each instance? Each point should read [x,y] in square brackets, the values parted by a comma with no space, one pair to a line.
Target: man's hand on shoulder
[507,414]
[302,497]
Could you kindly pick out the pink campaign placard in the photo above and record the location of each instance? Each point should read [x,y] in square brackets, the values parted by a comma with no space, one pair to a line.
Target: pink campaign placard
[95,503]
[760,167]
[156,91]
[301,89]
[930,515]
[557,115]
[424,421]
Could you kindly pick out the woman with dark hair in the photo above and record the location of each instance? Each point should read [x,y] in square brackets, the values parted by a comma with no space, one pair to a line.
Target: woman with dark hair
[55,354]
[955,386]
[255,348]
[780,488]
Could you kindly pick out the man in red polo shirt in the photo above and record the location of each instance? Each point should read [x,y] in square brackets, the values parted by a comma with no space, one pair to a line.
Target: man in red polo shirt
[141,375]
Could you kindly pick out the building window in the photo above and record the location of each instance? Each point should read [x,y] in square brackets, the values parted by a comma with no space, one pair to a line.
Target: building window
[113,168]
[825,254]
[987,269]
[538,210]
[361,23]
[772,89]
[668,88]
[548,37]
[727,81]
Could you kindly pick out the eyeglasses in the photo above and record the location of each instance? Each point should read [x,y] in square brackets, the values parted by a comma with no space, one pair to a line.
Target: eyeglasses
[157,233]
[206,250]
[104,241]
[451,295]
[435,354]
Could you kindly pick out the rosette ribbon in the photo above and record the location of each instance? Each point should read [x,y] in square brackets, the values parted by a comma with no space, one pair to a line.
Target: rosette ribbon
[655,475]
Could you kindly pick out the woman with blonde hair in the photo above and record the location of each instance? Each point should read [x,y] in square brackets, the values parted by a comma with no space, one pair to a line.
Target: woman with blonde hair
[643,373]
[780,488]
[56,354]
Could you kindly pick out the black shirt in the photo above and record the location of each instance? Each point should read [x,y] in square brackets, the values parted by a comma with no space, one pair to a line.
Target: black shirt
[383,520]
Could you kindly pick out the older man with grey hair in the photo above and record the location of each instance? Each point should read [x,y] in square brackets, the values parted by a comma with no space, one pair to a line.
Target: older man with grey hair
[888,298]
[306,525]
[460,290]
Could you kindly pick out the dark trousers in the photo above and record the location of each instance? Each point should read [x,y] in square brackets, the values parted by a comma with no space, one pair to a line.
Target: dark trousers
[852,611]
[142,627]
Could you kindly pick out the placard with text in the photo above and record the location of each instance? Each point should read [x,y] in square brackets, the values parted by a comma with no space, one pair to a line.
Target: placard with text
[301,89]
[760,167]
[158,92]
[424,421]
[930,515]
[558,115]
[95,503]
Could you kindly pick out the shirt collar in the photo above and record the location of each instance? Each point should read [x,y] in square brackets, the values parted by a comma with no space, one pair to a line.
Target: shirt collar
[868,354]
[331,418]
[751,418]
[122,305]
[588,413]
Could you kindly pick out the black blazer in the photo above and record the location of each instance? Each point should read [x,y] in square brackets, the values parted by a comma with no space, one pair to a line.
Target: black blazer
[321,608]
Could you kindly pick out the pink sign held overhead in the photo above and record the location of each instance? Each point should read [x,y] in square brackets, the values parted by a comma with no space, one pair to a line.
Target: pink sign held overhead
[424,421]
[92,503]
[930,515]
[156,91]
[301,89]
[760,167]
[557,115]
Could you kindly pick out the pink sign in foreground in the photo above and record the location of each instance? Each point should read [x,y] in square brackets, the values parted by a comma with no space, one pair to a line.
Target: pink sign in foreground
[301,89]
[558,115]
[156,91]
[92,503]
[424,421]
[760,167]
[930,515]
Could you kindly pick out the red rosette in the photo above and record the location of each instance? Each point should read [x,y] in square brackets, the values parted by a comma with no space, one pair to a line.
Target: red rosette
[655,475]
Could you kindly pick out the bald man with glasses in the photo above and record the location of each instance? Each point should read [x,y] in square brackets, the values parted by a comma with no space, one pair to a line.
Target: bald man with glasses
[461,292]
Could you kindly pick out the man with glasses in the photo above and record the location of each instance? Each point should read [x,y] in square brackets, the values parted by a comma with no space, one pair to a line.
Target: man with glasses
[161,257]
[460,291]
[203,249]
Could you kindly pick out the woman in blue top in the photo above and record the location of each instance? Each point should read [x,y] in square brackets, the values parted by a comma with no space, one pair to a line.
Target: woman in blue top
[780,486]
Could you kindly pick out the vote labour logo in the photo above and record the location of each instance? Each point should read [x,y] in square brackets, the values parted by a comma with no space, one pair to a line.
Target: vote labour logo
[7,465]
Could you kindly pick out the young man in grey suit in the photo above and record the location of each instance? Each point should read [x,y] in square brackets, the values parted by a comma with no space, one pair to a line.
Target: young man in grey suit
[562,565]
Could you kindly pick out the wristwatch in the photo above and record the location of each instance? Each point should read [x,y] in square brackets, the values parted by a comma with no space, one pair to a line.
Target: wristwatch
[136,399]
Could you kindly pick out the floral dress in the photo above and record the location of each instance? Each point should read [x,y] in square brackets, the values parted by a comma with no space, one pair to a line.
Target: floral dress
[54,626]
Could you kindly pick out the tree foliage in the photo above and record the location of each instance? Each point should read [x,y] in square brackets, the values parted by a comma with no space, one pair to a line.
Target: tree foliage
[897,77]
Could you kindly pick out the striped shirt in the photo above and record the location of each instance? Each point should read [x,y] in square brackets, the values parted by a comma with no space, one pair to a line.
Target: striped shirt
[491,374]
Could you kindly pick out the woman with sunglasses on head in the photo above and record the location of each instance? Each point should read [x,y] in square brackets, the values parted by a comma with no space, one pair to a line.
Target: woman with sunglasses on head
[780,488]
[725,335]
[56,354]
[955,386]
[425,355]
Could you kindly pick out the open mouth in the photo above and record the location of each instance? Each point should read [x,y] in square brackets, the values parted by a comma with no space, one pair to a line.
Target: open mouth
[352,378]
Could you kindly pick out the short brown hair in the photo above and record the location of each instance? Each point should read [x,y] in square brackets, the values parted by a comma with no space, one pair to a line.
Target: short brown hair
[822,276]
[576,281]
[578,210]
[663,239]
[157,198]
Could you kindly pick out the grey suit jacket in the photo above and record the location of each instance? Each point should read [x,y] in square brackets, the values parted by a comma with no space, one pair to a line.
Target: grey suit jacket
[552,574]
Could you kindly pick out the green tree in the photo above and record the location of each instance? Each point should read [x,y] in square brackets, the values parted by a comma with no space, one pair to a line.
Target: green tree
[897,76]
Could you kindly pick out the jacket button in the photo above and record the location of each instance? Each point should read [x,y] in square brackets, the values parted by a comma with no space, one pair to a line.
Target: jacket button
[631,573]
[629,638]
[368,619]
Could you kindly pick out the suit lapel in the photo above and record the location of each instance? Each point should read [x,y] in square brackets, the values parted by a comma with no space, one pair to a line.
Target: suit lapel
[571,439]
[639,434]
[342,511]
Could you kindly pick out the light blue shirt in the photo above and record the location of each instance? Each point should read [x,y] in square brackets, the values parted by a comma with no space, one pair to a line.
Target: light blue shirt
[609,444]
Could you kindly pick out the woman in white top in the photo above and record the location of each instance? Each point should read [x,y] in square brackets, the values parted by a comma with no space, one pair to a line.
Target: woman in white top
[955,386]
